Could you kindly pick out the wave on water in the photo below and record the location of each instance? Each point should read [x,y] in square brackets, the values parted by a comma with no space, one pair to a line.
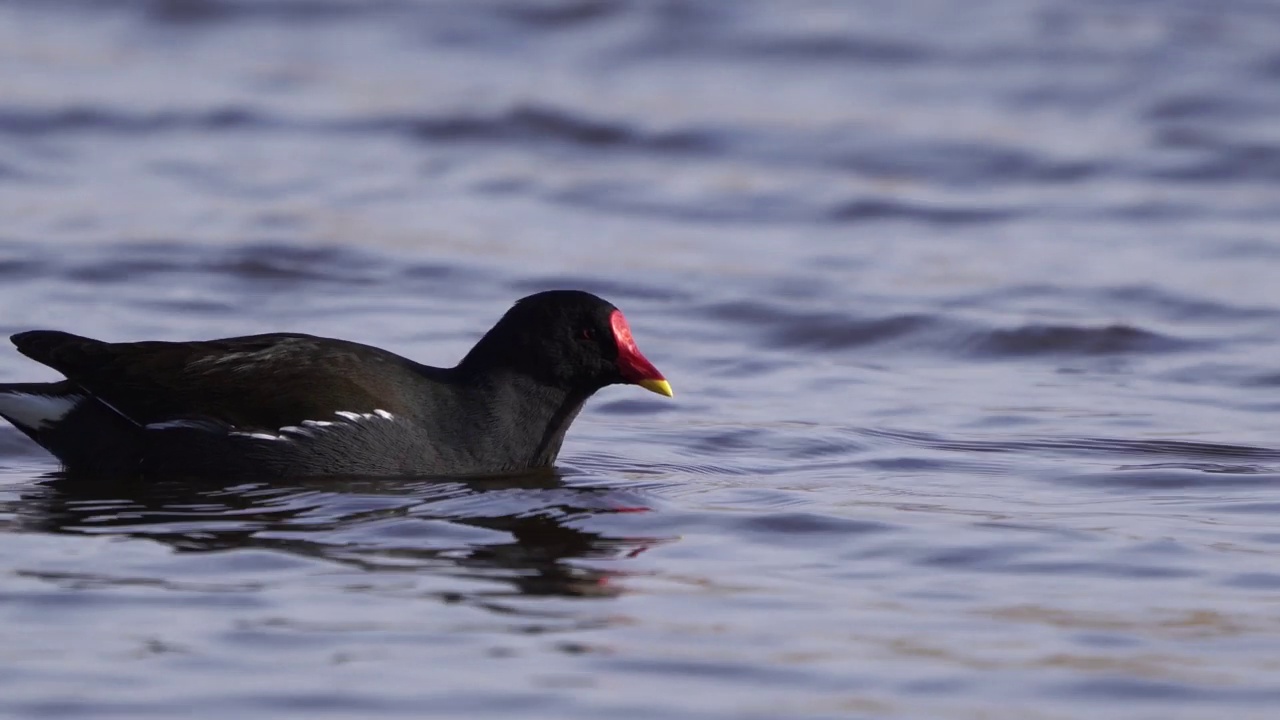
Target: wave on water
[1122,447]
[951,335]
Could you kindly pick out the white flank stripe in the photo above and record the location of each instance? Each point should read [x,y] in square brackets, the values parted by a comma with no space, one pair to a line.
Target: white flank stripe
[353,416]
[181,425]
[304,429]
[37,411]
[258,435]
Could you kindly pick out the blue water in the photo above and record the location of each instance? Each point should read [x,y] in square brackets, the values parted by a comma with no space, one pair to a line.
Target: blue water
[970,310]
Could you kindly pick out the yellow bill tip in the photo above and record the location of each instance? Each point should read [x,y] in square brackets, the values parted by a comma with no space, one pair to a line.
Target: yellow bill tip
[662,387]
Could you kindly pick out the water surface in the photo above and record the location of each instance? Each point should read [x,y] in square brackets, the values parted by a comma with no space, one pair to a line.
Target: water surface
[970,309]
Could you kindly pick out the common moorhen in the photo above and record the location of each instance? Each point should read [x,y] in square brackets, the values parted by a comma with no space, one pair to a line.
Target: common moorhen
[299,405]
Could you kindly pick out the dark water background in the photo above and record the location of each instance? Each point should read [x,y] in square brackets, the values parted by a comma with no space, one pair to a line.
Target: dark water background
[971,309]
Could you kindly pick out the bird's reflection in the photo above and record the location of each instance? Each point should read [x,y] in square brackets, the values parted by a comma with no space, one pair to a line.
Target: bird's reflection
[533,546]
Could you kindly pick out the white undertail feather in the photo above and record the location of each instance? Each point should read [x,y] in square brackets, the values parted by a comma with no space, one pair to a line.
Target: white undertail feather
[37,411]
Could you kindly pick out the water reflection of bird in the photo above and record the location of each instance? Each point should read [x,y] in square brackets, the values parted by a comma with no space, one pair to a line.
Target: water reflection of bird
[373,524]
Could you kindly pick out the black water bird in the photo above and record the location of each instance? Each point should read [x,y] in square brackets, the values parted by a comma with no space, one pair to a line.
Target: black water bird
[292,405]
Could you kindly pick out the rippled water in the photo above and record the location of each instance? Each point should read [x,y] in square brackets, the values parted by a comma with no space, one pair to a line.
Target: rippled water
[970,309]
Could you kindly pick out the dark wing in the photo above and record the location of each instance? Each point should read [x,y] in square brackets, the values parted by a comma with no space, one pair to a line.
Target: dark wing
[259,381]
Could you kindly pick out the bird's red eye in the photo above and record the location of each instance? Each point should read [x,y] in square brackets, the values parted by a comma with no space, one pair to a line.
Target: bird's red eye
[588,334]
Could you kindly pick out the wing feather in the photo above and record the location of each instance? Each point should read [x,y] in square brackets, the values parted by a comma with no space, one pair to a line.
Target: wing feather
[257,382]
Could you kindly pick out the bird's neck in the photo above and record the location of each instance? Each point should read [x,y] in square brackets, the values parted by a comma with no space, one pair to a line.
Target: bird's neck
[524,421]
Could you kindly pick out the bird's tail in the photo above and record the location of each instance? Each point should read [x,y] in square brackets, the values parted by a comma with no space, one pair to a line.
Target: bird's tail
[62,418]
[33,407]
